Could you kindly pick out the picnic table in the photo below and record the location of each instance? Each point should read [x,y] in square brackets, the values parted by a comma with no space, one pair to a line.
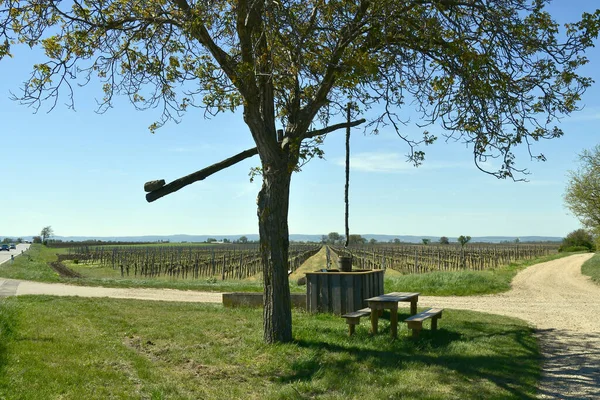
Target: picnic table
[390,301]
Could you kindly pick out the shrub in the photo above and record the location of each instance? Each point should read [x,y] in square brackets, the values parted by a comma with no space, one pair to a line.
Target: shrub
[568,249]
[579,238]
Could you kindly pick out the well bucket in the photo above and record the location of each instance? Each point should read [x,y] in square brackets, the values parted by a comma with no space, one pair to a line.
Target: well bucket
[345,263]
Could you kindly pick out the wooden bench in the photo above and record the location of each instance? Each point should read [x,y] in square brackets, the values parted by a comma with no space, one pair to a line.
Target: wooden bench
[416,321]
[353,318]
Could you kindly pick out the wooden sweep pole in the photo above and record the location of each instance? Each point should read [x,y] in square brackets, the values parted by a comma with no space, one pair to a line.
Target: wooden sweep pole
[347,174]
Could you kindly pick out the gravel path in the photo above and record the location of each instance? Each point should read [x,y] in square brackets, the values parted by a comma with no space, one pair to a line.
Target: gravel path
[554,297]
[564,306]
[10,287]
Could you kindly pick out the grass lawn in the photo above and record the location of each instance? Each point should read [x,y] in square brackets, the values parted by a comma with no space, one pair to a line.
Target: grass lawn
[463,283]
[591,268]
[32,265]
[76,348]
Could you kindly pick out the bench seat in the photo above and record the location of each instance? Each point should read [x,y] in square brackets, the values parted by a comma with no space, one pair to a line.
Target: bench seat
[416,321]
[353,318]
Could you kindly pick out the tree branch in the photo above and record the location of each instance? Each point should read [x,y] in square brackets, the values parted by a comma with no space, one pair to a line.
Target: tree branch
[199,175]
[329,129]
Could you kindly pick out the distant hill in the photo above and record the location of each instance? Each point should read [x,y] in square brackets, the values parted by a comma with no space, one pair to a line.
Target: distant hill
[293,237]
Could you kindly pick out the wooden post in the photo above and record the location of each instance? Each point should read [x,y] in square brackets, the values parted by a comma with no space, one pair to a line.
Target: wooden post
[223,269]
[374,320]
[413,305]
[394,320]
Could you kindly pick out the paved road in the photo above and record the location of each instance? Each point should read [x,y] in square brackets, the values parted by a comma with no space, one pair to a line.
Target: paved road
[5,255]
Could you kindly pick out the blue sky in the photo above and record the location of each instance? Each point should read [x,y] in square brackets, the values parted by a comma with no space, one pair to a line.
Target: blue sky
[83,173]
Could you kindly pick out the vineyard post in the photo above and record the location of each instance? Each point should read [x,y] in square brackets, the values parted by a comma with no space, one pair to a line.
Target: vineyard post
[416,260]
[213,262]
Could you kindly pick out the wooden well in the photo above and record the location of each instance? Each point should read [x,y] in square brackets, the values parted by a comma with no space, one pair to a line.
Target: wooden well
[341,292]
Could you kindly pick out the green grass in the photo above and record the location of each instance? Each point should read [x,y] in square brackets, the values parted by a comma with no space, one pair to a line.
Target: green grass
[591,268]
[76,348]
[32,265]
[463,283]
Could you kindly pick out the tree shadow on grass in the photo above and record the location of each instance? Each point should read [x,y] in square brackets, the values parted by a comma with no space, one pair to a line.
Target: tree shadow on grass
[343,361]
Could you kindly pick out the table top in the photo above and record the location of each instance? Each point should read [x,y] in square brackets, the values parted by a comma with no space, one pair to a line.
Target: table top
[394,296]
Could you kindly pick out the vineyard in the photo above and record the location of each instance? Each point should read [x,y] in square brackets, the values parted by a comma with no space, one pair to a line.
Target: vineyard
[185,262]
[414,259]
[243,261]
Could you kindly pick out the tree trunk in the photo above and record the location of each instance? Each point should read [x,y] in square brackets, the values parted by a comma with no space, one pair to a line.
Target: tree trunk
[273,204]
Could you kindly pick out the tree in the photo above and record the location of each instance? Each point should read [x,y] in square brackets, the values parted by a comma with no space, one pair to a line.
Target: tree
[426,241]
[211,240]
[356,239]
[373,241]
[46,233]
[397,241]
[463,240]
[444,240]
[243,239]
[494,74]
[582,195]
[333,237]
[37,239]
[578,238]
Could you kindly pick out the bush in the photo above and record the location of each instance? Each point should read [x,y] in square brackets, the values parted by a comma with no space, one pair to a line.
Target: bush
[570,249]
[579,238]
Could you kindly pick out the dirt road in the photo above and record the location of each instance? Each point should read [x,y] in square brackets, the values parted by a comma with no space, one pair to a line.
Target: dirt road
[564,307]
[554,297]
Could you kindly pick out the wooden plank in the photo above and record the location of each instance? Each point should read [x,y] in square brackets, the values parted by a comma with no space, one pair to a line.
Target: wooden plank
[359,313]
[336,293]
[423,315]
[323,293]
[314,295]
[348,293]
[358,285]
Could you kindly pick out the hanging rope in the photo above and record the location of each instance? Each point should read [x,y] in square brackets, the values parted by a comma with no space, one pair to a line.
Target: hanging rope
[347,173]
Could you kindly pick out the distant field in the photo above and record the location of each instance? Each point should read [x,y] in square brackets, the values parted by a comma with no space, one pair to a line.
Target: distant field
[34,266]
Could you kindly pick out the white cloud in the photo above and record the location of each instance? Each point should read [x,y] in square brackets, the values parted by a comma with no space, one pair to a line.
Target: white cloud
[191,149]
[248,188]
[588,114]
[541,182]
[392,163]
